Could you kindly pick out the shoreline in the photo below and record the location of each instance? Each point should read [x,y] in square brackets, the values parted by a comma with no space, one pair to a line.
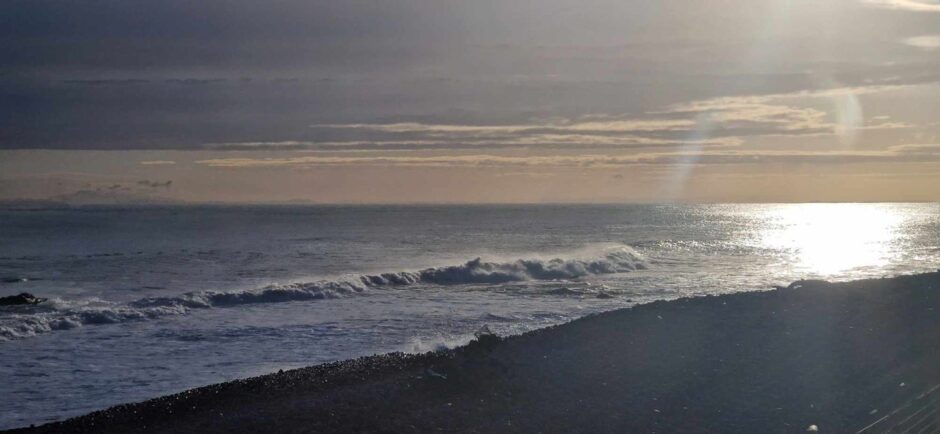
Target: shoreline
[836,355]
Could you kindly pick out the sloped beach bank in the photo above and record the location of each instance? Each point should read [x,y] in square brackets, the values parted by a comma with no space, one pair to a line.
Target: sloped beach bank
[835,355]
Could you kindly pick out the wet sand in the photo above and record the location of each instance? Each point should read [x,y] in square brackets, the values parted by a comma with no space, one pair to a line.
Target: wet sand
[837,356]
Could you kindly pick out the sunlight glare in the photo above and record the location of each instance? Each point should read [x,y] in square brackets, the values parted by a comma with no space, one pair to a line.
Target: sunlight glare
[829,239]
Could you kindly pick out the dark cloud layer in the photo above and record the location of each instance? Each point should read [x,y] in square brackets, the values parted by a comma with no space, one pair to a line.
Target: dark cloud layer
[174,74]
[131,35]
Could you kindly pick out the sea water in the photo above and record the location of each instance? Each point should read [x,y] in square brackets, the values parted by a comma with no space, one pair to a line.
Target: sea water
[147,301]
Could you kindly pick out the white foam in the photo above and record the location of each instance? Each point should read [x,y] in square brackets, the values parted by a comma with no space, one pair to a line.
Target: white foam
[62,315]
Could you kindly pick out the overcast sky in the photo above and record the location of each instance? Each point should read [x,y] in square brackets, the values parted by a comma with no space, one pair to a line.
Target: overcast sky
[470,101]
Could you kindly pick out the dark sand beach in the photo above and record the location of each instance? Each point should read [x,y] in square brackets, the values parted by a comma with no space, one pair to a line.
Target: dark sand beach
[839,356]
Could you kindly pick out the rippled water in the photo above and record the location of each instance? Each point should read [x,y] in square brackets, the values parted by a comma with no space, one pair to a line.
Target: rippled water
[150,301]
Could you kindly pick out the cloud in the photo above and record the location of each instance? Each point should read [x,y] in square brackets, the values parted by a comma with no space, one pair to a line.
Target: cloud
[740,112]
[896,154]
[428,161]
[916,149]
[906,5]
[157,163]
[544,141]
[114,194]
[114,197]
[779,115]
[602,123]
[595,130]
[724,114]
[106,82]
[714,123]
[926,42]
[155,184]
[151,75]
[591,131]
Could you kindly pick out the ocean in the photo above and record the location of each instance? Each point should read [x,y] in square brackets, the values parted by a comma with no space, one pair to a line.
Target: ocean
[147,301]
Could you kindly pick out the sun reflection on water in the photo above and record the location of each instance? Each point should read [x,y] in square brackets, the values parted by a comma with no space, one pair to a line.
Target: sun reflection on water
[833,239]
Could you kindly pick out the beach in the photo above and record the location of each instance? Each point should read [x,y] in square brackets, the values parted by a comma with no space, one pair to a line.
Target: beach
[835,357]
[469,216]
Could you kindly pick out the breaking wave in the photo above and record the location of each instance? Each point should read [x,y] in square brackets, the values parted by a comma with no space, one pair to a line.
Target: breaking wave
[60,315]
[617,260]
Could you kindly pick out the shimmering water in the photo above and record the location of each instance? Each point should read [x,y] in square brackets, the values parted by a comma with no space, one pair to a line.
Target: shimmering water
[149,301]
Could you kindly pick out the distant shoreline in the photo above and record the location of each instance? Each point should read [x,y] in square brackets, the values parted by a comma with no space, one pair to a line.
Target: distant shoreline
[836,355]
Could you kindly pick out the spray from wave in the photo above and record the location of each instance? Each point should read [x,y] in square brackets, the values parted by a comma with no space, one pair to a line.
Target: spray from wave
[61,315]
[618,260]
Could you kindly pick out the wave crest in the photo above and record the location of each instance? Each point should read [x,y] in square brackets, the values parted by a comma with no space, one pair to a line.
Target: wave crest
[619,260]
[65,315]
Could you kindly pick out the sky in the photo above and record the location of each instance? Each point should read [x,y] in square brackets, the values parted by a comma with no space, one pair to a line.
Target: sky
[507,101]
